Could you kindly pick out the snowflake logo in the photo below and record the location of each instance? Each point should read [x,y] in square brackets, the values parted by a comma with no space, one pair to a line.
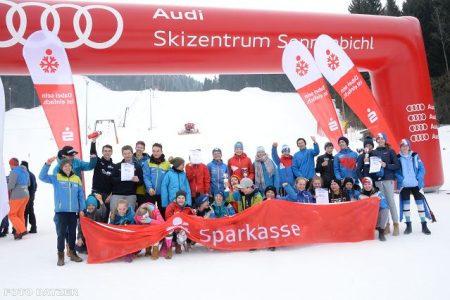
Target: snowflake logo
[301,67]
[48,63]
[178,223]
[332,60]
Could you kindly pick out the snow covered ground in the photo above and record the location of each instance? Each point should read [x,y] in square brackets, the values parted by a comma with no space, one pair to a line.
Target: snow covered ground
[405,267]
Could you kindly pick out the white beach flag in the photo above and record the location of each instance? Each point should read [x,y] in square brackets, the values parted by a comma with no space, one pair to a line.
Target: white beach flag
[4,205]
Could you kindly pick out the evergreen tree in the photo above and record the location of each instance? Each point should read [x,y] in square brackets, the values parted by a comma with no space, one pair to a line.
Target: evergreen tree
[391,9]
[367,7]
[426,13]
[357,7]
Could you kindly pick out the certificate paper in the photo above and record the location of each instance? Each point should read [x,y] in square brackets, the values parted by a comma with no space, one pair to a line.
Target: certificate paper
[375,164]
[322,196]
[126,171]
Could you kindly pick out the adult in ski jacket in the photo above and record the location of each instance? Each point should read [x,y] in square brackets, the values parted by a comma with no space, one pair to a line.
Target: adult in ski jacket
[325,165]
[283,163]
[303,161]
[345,161]
[410,180]
[266,172]
[218,172]
[240,165]
[174,181]
[18,183]
[199,179]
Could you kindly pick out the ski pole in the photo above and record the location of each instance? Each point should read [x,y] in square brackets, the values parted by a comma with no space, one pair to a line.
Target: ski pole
[433,218]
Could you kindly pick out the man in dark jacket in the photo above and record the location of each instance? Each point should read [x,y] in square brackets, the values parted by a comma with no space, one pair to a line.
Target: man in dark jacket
[122,187]
[324,165]
[29,210]
[101,180]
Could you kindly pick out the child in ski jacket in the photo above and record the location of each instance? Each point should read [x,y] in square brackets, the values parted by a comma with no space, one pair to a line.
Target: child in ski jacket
[299,193]
[249,195]
[221,207]
[123,214]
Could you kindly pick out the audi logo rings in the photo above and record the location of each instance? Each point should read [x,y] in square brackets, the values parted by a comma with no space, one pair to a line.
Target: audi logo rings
[417,117]
[418,127]
[17,36]
[415,107]
[419,137]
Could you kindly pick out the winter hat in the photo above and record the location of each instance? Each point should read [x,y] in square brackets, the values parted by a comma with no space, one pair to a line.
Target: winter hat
[343,138]
[270,188]
[348,179]
[65,161]
[285,148]
[368,140]
[201,199]
[68,151]
[238,145]
[245,183]
[260,149]
[328,144]
[13,162]
[219,193]
[383,136]
[24,163]
[176,162]
[216,150]
[405,142]
[180,193]
[367,180]
[301,139]
[91,201]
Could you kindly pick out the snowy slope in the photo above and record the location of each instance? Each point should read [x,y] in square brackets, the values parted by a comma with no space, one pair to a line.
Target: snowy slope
[405,267]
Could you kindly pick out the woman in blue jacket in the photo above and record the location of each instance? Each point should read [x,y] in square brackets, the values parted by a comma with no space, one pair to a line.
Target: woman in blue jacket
[266,172]
[410,180]
[69,202]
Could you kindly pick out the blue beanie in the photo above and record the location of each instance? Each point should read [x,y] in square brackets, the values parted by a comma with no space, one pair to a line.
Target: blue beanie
[383,136]
[201,199]
[405,142]
[219,193]
[91,201]
[285,148]
[238,145]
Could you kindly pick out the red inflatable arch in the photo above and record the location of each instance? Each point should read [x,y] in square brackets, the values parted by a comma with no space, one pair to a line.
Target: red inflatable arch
[148,39]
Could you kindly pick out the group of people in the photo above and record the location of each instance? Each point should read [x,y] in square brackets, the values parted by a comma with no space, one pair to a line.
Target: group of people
[150,188]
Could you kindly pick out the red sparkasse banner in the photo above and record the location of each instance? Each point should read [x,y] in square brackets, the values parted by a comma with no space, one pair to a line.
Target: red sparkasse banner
[339,70]
[50,71]
[272,223]
[302,71]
